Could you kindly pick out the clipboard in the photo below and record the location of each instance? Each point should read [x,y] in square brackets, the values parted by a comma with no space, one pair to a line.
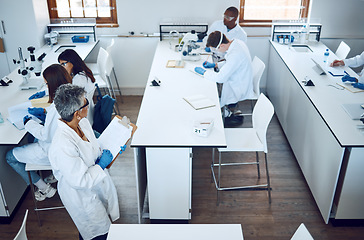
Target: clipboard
[116,134]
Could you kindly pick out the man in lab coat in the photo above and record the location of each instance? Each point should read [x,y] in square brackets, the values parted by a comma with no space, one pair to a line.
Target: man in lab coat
[236,75]
[229,25]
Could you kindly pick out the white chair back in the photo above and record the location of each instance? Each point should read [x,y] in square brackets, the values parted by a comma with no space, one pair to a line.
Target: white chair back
[109,48]
[262,115]
[109,65]
[302,233]
[342,51]
[22,234]
[258,69]
[101,62]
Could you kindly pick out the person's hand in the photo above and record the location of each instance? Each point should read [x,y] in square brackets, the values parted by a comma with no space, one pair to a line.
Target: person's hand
[337,63]
[26,119]
[122,149]
[105,159]
[207,49]
[38,112]
[347,78]
[200,70]
[207,64]
[358,85]
[37,95]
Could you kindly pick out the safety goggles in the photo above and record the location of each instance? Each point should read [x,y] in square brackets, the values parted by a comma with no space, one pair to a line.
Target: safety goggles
[85,105]
[228,18]
[64,63]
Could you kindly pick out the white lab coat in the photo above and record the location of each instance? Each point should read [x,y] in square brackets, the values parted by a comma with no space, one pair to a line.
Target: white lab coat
[356,61]
[87,192]
[82,80]
[37,153]
[236,75]
[236,33]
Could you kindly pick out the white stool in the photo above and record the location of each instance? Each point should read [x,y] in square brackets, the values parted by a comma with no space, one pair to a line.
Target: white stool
[34,167]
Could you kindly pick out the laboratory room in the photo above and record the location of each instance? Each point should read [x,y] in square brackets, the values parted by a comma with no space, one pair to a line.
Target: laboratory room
[231,119]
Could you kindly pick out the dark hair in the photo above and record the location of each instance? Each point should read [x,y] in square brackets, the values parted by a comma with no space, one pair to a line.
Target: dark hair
[234,11]
[214,39]
[68,100]
[79,66]
[55,75]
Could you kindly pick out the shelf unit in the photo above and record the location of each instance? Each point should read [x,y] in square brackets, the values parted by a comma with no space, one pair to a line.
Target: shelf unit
[288,28]
[73,28]
[165,28]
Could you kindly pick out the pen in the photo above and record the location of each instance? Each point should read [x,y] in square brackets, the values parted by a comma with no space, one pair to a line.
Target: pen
[346,73]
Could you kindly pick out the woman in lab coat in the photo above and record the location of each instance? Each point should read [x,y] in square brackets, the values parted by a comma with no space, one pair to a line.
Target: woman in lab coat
[81,75]
[85,187]
[237,73]
[37,152]
[356,61]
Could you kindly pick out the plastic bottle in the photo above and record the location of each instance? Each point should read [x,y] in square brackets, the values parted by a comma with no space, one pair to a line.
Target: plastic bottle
[326,55]
[303,34]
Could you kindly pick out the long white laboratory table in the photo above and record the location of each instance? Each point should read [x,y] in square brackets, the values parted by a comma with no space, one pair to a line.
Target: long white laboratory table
[12,186]
[164,140]
[327,143]
[175,231]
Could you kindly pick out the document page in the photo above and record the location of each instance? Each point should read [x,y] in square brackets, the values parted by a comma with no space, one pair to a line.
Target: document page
[199,101]
[17,114]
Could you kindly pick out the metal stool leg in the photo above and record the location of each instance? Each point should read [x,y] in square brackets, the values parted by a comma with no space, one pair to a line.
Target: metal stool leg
[258,167]
[268,180]
[34,200]
[117,84]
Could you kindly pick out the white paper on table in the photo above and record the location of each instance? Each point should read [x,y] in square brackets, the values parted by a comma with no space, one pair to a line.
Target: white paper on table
[17,114]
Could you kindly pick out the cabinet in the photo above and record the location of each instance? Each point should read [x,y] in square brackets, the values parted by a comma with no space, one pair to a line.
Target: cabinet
[287,28]
[169,182]
[165,28]
[72,26]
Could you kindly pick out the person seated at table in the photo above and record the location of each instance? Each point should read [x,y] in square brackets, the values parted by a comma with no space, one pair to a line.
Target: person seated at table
[84,185]
[356,61]
[236,75]
[81,75]
[37,152]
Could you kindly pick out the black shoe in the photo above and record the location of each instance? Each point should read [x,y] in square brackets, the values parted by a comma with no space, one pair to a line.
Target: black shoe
[233,121]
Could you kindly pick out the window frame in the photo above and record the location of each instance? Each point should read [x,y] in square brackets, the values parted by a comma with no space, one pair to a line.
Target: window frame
[111,21]
[268,23]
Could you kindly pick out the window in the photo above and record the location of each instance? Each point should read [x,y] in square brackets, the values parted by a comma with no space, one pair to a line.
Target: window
[262,12]
[103,10]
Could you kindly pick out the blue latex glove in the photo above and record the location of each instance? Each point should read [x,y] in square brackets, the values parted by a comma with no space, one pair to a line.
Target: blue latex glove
[207,49]
[26,119]
[122,149]
[200,70]
[38,112]
[358,85]
[37,95]
[105,159]
[347,78]
[207,64]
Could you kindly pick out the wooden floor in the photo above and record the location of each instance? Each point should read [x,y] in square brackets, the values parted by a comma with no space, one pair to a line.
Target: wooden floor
[292,202]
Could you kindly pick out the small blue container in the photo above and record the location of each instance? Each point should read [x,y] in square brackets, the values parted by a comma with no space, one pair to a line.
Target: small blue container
[80,39]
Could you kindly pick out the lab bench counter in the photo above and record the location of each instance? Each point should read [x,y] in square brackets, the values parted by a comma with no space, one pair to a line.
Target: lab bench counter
[327,143]
[164,140]
[12,186]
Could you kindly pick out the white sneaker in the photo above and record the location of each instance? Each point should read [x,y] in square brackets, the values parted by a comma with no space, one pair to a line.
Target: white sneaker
[49,192]
[50,179]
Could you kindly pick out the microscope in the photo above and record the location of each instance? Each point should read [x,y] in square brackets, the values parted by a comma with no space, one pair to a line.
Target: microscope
[189,42]
[35,66]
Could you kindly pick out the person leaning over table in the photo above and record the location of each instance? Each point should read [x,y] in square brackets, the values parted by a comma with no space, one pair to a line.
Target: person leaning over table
[230,27]
[236,75]
[356,61]
[78,163]
[37,152]
[81,75]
